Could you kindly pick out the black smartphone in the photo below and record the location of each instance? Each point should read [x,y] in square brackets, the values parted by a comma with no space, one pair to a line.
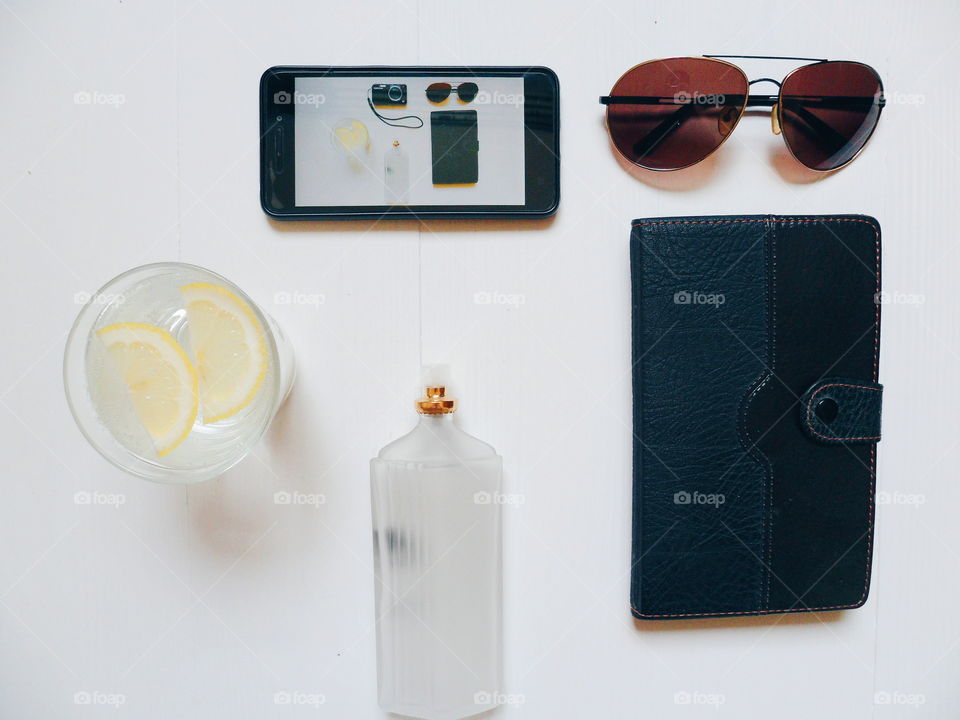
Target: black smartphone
[426,142]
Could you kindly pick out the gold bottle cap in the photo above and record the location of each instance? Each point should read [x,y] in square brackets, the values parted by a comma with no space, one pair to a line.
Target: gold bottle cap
[435,402]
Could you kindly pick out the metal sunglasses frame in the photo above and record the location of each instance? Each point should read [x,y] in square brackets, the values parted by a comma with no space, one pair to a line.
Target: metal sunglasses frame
[774,102]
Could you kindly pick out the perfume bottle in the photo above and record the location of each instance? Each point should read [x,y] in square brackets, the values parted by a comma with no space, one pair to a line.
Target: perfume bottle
[396,175]
[437,559]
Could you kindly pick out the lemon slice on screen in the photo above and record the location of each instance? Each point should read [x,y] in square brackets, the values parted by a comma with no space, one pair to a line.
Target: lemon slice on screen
[352,136]
[160,378]
[229,349]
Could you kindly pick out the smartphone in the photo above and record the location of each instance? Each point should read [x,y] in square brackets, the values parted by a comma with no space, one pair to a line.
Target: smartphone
[421,142]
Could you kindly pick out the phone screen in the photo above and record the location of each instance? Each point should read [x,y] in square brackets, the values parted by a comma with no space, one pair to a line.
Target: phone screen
[375,141]
[355,141]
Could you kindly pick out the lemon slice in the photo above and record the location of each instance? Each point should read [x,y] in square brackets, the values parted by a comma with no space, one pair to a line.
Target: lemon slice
[229,349]
[160,378]
[352,136]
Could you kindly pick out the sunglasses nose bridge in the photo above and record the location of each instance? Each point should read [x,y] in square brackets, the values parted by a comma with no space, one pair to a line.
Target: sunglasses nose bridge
[773,103]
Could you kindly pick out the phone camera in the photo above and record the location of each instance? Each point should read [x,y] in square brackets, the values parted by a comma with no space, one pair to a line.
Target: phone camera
[389,94]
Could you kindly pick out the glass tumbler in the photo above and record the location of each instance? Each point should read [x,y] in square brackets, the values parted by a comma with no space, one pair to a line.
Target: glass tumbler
[173,373]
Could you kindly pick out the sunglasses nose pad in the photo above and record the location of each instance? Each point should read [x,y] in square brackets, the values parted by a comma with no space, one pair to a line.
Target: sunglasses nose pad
[775,119]
[728,118]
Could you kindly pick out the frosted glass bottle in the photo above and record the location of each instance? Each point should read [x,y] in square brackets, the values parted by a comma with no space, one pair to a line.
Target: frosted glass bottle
[396,175]
[437,559]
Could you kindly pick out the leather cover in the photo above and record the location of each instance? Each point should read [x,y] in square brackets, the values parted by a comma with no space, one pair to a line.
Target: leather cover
[454,147]
[756,344]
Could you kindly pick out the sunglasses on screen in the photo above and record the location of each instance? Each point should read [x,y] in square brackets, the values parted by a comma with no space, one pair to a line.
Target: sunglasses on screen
[440,91]
[670,114]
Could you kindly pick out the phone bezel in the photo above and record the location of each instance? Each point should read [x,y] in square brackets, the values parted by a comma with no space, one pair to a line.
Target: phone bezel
[541,146]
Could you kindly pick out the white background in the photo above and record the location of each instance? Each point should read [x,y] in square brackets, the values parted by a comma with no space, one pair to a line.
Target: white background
[204,602]
[325,176]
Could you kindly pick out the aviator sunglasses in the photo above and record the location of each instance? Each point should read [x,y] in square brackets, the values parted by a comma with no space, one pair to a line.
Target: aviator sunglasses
[670,114]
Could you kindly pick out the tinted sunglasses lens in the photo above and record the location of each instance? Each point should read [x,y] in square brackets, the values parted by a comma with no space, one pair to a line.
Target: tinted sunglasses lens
[467,91]
[438,92]
[674,113]
[828,112]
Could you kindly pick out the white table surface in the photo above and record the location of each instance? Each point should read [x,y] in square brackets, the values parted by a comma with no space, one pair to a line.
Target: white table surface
[204,602]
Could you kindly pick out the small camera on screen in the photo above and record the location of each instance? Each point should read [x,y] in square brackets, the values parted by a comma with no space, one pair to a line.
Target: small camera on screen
[388,94]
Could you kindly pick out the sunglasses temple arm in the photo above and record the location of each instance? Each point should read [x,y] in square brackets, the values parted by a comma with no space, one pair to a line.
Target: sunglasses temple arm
[833,102]
[814,126]
[652,140]
[657,100]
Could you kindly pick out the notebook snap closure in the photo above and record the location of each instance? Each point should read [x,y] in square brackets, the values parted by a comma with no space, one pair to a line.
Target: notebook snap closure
[842,410]
[827,410]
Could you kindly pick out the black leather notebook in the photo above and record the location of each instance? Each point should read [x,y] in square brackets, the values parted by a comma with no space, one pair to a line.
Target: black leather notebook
[454,147]
[756,345]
